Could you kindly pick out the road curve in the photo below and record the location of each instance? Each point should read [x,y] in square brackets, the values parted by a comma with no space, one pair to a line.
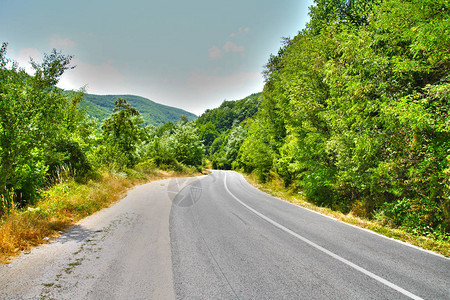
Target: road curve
[232,241]
[217,237]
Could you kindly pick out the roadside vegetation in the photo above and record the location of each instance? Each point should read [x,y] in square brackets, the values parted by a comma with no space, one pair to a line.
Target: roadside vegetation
[58,165]
[67,202]
[354,116]
[276,188]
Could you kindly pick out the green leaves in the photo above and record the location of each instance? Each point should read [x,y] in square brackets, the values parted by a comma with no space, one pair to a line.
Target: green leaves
[178,144]
[45,139]
[122,133]
[34,115]
[256,152]
[48,72]
[355,111]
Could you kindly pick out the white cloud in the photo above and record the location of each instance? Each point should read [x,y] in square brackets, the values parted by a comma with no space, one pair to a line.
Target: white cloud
[60,43]
[240,32]
[232,47]
[23,58]
[229,46]
[214,52]
[101,79]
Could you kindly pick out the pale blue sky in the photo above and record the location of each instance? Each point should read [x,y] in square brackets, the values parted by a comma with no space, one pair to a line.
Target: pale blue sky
[189,54]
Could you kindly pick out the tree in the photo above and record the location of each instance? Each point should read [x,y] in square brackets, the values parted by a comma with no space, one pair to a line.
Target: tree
[174,146]
[255,153]
[224,151]
[355,112]
[346,12]
[207,133]
[122,133]
[34,114]
[186,144]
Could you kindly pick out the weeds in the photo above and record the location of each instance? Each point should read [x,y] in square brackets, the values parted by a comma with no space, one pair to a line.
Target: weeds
[66,203]
[277,189]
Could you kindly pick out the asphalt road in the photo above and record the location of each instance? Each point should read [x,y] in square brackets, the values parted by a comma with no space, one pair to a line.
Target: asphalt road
[122,252]
[232,241]
[216,237]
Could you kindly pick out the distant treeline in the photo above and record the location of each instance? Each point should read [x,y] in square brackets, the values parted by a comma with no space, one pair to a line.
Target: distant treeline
[354,114]
[152,113]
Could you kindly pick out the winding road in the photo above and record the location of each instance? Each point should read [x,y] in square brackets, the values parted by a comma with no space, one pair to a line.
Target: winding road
[217,237]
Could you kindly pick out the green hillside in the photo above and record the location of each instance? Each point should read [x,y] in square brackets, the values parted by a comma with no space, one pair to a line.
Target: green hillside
[101,107]
[231,113]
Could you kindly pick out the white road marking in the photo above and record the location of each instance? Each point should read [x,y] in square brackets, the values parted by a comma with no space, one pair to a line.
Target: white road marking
[335,256]
[354,226]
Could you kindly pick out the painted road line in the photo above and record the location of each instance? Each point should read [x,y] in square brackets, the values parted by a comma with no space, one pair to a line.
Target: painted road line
[335,256]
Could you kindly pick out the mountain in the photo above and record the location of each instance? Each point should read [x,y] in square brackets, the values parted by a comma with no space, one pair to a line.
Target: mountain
[101,107]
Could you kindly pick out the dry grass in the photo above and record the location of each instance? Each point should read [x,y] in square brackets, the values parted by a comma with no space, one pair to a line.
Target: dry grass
[277,189]
[63,205]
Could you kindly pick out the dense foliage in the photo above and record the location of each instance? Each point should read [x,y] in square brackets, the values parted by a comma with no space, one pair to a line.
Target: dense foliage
[221,131]
[45,138]
[355,112]
[39,126]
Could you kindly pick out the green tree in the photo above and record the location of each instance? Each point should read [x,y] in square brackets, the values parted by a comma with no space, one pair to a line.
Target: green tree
[122,133]
[207,133]
[186,144]
[34,115]
[255,153]
[344,12]
[172,146]
[355,111]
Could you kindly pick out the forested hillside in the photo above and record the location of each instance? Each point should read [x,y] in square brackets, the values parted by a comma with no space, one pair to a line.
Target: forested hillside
[102,106]
[222,129]
[354,113]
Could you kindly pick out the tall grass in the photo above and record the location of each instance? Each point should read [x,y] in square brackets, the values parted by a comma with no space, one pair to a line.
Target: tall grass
[66,203]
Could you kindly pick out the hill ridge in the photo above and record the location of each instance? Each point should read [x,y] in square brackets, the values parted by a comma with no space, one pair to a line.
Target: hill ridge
[153,113]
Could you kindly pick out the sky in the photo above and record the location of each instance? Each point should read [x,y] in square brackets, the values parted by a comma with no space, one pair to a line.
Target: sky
[189,54]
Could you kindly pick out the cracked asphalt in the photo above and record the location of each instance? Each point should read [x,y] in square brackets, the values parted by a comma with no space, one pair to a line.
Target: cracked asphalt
[122,252]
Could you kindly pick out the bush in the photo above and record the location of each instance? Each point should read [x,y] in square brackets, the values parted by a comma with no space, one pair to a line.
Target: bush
[68,156]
